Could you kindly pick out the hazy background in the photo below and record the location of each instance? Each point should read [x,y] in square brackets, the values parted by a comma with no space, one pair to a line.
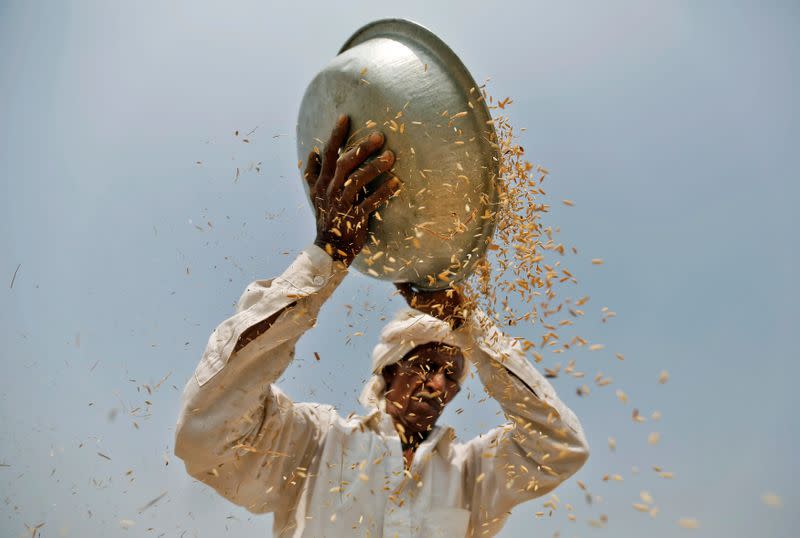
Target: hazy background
[673,126]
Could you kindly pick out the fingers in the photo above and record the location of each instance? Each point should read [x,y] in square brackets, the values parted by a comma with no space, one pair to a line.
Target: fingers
[407,291]
[312,170]
[454,293]
[364,175]
[331,152]
[380,196]
[351,159]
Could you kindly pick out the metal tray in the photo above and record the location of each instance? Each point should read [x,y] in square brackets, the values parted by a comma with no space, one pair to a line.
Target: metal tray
[397,76]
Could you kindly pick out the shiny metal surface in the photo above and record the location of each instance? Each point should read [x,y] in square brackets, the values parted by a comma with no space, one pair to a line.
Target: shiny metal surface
[397,76]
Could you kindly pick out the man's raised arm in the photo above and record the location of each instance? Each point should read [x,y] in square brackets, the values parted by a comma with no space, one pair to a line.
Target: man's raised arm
[237,432]
[543,443]
[231,425]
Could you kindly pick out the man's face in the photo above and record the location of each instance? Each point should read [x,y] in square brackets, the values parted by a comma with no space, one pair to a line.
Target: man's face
[421,384]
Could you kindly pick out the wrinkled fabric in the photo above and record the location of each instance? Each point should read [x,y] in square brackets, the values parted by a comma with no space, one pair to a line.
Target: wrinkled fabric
[325,475]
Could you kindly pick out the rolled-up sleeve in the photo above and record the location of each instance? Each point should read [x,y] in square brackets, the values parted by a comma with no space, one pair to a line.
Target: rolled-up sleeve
[542,445]
[237,431]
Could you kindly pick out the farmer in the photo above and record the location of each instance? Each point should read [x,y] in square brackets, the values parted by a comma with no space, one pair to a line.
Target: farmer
[394,471]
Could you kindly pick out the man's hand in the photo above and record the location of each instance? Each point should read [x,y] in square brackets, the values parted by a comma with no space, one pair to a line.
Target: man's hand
[338,190]
[448,304]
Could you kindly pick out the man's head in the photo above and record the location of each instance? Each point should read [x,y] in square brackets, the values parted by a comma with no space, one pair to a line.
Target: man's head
[421,384]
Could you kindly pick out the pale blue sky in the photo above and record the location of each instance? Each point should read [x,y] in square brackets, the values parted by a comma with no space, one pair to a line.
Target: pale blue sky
[673,126]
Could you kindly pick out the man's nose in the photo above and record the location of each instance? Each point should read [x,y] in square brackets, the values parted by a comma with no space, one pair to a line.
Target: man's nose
[435,382]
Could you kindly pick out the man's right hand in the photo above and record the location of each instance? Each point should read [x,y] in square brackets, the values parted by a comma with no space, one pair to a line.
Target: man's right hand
[338,190]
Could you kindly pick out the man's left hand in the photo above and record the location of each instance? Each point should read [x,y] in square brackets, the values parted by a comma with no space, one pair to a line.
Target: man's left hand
[448,304]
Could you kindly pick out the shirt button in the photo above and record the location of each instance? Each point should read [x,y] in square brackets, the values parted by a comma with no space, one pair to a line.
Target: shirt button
[319,280]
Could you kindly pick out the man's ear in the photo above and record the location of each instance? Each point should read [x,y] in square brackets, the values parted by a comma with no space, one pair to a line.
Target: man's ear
[388,374]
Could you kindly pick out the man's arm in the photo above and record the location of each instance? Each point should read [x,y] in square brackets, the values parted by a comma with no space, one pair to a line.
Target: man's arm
[543,443]
[237,432]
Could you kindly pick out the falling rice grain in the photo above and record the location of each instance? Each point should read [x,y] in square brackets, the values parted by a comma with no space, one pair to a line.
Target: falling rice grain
[688,523]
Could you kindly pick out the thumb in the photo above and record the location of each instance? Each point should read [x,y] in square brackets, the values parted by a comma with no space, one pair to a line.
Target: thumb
[404,288]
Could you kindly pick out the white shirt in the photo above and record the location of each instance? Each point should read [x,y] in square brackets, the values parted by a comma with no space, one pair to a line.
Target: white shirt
[324,475]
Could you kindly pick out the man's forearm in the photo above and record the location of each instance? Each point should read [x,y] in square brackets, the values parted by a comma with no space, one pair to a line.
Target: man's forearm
[248,352]
[545,426]
[259,328]
[291,301]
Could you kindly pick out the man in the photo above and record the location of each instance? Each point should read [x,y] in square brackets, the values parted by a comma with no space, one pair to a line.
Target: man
[392,472]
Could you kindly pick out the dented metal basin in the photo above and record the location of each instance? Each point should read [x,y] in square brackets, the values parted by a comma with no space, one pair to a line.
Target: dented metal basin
[396,76]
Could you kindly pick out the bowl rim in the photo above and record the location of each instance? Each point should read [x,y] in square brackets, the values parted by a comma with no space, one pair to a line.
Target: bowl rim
[406,29]
[416,32]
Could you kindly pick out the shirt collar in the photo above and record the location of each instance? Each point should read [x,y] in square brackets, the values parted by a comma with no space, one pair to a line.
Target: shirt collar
[383,423]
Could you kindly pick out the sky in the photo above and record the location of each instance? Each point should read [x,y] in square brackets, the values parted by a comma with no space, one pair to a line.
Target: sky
[128,235]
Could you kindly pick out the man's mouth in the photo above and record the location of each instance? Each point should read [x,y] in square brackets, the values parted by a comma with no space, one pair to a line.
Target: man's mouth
[427,395]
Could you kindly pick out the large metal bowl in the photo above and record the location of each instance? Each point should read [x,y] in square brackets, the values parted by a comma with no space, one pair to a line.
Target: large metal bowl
[397,76]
